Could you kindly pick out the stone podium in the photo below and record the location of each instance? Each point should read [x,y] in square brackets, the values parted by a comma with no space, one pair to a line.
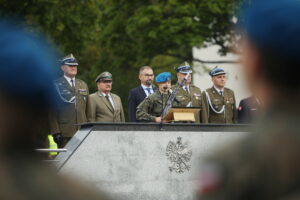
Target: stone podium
[146,160]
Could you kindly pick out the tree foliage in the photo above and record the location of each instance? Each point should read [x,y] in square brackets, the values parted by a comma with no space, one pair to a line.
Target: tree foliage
[120,36]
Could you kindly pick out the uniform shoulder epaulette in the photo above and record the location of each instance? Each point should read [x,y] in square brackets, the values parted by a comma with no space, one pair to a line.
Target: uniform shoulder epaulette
[58,80]
[229,90]
[208,89]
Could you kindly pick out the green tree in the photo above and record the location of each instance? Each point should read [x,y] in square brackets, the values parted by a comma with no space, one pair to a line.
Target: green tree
[120,36]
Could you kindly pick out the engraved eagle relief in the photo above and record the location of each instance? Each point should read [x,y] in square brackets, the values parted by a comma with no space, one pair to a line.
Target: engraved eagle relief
[179,155]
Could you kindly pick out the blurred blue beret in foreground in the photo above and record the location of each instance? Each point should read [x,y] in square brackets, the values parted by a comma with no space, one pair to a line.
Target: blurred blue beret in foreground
[163,77]
[26,67]
[273,25]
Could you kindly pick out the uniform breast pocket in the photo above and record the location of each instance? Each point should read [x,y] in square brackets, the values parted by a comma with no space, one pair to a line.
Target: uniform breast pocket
[83,92]
[157,108]
[229,101]
[180,98]
[217,106]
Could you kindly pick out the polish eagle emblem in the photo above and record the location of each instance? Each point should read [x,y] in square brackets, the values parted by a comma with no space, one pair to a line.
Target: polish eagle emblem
[179,155]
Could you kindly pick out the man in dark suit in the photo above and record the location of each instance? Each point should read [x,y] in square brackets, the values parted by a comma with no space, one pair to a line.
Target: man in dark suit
[138,94]
[248,110]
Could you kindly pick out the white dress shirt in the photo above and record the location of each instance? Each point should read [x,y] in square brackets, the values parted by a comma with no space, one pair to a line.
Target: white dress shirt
[110,99]
[69,80]
[219,91]
[146,92]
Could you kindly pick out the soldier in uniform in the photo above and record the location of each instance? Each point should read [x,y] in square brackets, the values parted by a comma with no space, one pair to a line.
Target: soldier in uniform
[248,110]
[219,101]
[265,164]
[73,93]
[24,109]
[104,106]
[189,95]
[151,108]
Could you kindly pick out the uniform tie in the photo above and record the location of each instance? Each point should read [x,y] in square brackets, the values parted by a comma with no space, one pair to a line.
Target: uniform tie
[72,83]
[107,98]
[221,92]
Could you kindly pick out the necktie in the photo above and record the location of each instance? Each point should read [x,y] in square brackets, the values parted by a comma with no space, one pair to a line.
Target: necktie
[221,93]
[107,98]
[72,83]
[186,89]
[149,91]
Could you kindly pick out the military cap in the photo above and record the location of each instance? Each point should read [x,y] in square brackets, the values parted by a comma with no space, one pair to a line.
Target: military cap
[104,76]
[184,68]
[163,77]
[69,60]
[216,71]
[26,71]
[273,25]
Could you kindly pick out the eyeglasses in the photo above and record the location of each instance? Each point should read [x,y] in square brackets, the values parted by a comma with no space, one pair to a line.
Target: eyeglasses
[149,75]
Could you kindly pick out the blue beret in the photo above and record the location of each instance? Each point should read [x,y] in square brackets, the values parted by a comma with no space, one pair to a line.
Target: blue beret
[163,77]
[184,68]
[216,71]
[69,60]
[26,71]
[273,25]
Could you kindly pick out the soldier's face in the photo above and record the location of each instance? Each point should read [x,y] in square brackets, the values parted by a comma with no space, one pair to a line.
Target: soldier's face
[69,71]
[219,80]
[164,87]
[146,77]
[104,86]
[180,77]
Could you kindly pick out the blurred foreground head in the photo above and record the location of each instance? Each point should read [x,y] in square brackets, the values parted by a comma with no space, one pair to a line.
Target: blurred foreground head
[27,92]
[271,47]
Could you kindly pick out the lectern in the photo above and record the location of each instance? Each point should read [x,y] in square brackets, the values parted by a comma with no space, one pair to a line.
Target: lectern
[182,115]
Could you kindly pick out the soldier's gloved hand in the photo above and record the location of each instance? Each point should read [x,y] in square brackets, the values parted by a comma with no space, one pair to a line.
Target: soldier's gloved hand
[58,139]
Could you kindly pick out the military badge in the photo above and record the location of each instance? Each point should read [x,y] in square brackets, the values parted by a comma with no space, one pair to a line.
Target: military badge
[179,155]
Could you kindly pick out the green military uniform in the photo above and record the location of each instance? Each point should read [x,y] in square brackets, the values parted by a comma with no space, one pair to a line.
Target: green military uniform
[191,98]
[74,107]
[152,106]
[100,110]
[221,109]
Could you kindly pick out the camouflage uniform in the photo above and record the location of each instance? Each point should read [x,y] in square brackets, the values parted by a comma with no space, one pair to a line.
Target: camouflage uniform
[194,96]
[30,180]
[215,114]
[152,107]
[264,165]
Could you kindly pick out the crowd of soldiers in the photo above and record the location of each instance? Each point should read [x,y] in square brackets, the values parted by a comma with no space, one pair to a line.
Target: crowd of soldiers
[146,102]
